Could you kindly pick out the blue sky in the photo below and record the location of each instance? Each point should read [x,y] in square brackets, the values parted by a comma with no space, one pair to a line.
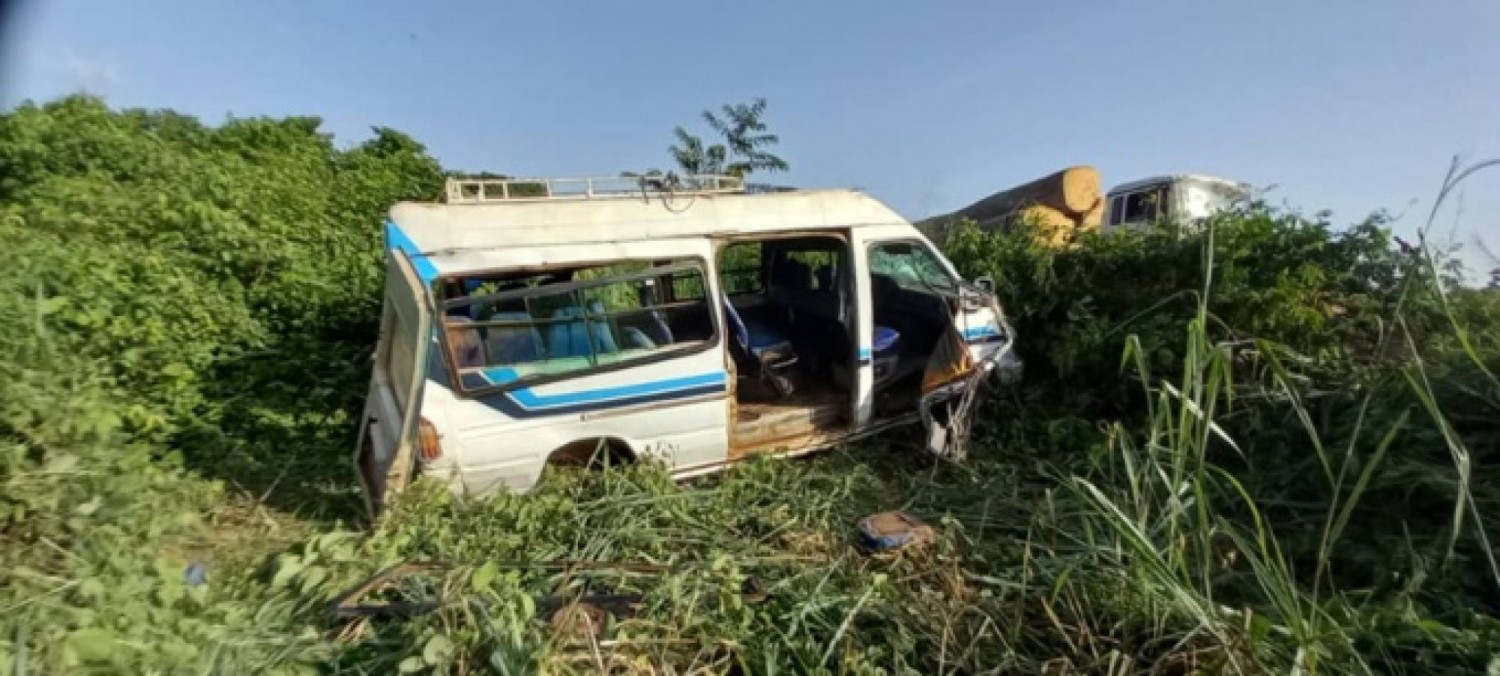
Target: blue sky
[1347,105]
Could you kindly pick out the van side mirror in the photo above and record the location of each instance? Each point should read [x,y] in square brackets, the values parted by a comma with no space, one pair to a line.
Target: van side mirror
[986,283]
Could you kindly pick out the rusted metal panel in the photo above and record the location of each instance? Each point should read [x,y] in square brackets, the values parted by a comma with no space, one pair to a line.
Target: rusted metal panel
[778,427]
[950,361]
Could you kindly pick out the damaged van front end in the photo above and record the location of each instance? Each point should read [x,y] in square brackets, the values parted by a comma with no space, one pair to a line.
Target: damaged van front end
[966,362]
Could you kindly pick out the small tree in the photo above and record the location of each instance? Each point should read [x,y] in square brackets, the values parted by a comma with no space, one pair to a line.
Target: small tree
[745,149]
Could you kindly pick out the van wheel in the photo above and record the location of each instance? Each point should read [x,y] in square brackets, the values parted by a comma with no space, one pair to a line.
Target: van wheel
[592,453]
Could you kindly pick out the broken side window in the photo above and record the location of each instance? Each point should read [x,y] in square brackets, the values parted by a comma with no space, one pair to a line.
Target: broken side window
[524,327]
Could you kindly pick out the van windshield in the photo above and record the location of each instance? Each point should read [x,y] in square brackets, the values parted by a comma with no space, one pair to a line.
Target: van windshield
[912,266]
[507,328]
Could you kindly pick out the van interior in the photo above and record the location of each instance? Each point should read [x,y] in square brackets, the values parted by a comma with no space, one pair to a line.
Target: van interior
[561,320]
[789,309]
[787,315]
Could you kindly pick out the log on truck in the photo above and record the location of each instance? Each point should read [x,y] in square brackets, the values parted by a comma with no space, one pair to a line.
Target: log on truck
[1059,205]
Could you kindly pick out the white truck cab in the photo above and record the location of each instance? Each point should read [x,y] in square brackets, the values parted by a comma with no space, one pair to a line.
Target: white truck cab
[1183,198]
[693,322]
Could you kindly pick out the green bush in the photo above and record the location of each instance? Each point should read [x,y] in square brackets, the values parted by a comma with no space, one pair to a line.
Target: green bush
[189,307]
[1275,276]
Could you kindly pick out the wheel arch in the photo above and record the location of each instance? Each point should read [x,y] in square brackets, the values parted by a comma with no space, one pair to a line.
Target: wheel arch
[592,452]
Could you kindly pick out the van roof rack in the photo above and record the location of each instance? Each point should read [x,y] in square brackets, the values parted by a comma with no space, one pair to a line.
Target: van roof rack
[490,190]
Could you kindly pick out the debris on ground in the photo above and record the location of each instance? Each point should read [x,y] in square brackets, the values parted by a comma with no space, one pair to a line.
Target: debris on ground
[894,531]
[196,574]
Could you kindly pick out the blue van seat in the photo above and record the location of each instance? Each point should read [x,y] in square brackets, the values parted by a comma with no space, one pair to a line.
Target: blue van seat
[771,352]
[603,336]
[635,338]
[572,339]
[754,337]
[656,332]
[885,339]
[886,357]
[513,344]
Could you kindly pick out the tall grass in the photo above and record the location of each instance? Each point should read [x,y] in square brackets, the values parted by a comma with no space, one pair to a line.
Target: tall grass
[1160,502]
[1417,377]
[1188,530]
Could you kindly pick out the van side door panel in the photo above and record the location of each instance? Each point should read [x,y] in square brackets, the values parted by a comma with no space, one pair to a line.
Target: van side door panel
[383,458]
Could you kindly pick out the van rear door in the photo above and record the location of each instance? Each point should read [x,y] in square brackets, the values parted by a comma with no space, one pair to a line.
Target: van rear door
[383,459]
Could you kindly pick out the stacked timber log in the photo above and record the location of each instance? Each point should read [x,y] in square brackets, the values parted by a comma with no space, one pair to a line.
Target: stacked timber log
[1059,205]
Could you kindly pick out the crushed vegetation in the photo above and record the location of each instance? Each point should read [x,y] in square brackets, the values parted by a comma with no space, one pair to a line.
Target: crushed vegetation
[1266,447]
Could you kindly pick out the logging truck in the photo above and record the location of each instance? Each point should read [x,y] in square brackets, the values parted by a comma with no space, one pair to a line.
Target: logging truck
[1065,203]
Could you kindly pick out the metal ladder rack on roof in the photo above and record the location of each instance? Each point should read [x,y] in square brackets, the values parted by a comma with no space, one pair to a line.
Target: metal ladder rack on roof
[490,190]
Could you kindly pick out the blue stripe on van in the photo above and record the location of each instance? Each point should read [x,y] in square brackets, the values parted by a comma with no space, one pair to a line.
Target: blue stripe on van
[396,238]
[525,397]
[523,403]
[980,332]
[503,403]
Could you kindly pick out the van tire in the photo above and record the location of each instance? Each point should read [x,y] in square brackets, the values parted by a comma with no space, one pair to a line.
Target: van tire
[595,453]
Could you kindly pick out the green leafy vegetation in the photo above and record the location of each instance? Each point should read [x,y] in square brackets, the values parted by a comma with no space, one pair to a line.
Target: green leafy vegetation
[744,151]
[190,315]
[1265,446]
